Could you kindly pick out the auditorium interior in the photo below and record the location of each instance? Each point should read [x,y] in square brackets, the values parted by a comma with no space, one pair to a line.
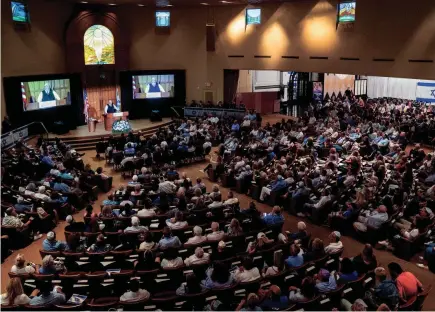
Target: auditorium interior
[211,155]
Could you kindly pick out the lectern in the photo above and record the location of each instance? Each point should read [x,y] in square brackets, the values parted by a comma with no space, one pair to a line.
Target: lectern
[110,118]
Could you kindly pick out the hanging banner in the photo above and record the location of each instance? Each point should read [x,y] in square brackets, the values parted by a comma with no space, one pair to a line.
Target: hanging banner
[317,90]
[14,136]
[425,92]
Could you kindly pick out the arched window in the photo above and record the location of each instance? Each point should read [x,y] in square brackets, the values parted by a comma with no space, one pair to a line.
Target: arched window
[99,46]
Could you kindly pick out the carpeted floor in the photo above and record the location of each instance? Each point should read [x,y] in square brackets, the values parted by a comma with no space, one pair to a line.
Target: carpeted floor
[352,247]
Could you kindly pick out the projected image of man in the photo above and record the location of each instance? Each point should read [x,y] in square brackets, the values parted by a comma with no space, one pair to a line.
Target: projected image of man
[154,87]
[48,94]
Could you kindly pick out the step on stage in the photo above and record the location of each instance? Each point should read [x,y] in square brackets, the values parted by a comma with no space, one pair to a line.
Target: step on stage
[81,139]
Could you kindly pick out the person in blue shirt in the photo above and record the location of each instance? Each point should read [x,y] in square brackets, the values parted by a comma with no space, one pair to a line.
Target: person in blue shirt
[129,150]
[60,186]
[277,185]
[22,206]
[51,244]
[347,272]
[110,201]
[326,281]
[235,126]
[46,159]
[169,241]
[295,259]
[273,299]
[273,218]
[183,147]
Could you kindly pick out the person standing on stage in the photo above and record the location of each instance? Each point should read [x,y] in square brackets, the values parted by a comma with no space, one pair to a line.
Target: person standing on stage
[110,108]
[154,87]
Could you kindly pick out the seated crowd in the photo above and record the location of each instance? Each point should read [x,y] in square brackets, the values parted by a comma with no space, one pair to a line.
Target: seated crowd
[163,242]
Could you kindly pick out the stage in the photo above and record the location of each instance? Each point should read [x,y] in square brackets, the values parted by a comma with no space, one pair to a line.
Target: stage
[139,124]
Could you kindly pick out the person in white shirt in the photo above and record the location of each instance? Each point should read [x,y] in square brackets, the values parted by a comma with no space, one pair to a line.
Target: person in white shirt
[135,226]
[41,194]
[20,268]
[216,234]
[135,293]
[171,259]
[14,293]
[247,272]
[199,257]
[198,238]
[335,245]
[146,212]
[126,160]
[176,222]
[231,200]
[239,163]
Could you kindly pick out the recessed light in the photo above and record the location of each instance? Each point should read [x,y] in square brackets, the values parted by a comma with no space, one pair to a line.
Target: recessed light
[204,3]
[83,1]
[169,5]
[112,4]
[141,5]
[223,1]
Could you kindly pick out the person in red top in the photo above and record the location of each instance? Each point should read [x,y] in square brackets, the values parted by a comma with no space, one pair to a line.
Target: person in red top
[407,284]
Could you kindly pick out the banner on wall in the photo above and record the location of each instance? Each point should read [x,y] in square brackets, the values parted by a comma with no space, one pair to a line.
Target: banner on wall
[425,92]
[317,91]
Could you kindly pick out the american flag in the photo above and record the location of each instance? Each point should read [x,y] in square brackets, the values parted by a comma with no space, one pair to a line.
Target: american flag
[86,105]
[134,88]
[23,95]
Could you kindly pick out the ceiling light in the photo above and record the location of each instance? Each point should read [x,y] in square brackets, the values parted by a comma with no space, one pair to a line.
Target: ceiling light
[112,4]
[223,1]
[169,5]
[83,1]
[141,5]
[204,3]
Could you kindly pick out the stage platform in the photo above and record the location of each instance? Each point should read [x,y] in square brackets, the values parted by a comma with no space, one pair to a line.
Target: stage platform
[136,125]
[82,140]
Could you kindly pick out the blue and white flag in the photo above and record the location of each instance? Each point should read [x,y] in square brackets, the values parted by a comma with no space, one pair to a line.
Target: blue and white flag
[425,92]
[118,99]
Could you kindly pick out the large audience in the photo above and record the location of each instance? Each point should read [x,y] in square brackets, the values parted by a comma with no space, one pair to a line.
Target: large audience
[163,241]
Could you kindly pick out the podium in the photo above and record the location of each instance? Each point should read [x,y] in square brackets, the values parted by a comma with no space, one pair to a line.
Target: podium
[109,119]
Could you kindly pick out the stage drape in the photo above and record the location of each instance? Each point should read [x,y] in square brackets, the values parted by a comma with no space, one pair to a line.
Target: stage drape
[231,81]
[401,88]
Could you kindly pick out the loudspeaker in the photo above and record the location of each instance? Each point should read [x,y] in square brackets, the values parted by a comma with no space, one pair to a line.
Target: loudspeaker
[211,37]
[155,115]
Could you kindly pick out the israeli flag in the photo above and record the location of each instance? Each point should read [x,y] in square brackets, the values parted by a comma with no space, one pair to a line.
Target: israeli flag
[425,92]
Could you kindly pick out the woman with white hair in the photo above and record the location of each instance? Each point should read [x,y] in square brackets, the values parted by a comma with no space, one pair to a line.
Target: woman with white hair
[135,226]
[176,222]
[198,238]
[20,266]
[47,266]
[41,194]
[199,257]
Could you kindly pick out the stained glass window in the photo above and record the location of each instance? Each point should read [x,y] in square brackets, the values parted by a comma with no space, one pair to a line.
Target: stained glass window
[163,18]
[99,46]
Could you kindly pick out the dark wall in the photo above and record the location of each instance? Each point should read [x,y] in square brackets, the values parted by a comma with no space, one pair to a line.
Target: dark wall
[72,115]
[141,108]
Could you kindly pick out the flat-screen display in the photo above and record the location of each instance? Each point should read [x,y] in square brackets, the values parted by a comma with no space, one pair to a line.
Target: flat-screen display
[346,12]
[45,94]
[19,12]
[153,86]
[163,18]
[253,16]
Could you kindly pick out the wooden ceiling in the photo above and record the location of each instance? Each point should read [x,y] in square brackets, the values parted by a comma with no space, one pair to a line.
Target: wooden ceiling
[178,3]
